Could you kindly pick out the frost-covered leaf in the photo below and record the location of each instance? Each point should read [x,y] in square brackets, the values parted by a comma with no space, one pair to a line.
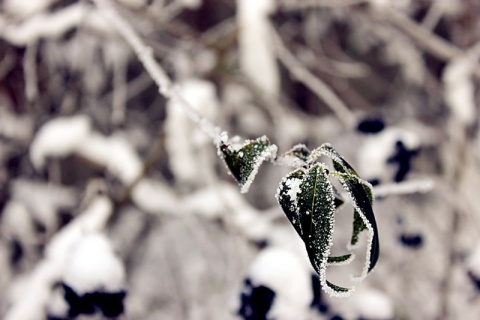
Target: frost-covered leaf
[362,198]
[316,209]
[315,205]
[337,290]
[358,227]
[310,201]
[339,163]
[340,260]
[244,162]
[295,157]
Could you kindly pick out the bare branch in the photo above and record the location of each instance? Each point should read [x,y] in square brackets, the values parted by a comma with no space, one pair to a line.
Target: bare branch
[317,86]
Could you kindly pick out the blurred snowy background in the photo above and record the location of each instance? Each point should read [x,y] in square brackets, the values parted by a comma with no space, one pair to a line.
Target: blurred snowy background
[114,204]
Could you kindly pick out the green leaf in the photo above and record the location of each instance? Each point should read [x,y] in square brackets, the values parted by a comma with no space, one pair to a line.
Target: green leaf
[358,227]
[244,162]
[316,209]
[337,290]
[287,197]
[362,197]
[339,163]
[340,260]
[310,201]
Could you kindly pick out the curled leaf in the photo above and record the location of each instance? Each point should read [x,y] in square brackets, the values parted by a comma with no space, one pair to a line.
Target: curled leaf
[245,161]
[362,203]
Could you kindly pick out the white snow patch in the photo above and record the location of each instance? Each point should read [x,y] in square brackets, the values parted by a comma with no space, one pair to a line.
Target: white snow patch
[29,296]
[256,51]
[184,140]
[473,262]
[377,149]
[281,271]
[293,188]
[369,303]
[45,25]
[460,90]
[92,266]
[59,137]
[25,8]
[114,153]
[155,197]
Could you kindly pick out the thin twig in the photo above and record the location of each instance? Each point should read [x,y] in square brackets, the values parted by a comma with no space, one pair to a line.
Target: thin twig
[422,36]
[30,71]
[317,86]
[158,74]
[435,45]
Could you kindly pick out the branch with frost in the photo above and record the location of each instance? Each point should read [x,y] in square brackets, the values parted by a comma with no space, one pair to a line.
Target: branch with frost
[430,42]
[25,8]
[317,86]
[403,188]
[427,40]
[29,299]
[158,74]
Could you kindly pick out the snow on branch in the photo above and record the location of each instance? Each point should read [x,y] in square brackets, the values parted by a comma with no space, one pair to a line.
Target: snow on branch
[49,25]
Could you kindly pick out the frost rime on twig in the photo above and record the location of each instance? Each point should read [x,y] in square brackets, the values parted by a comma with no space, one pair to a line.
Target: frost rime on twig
[146,57]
